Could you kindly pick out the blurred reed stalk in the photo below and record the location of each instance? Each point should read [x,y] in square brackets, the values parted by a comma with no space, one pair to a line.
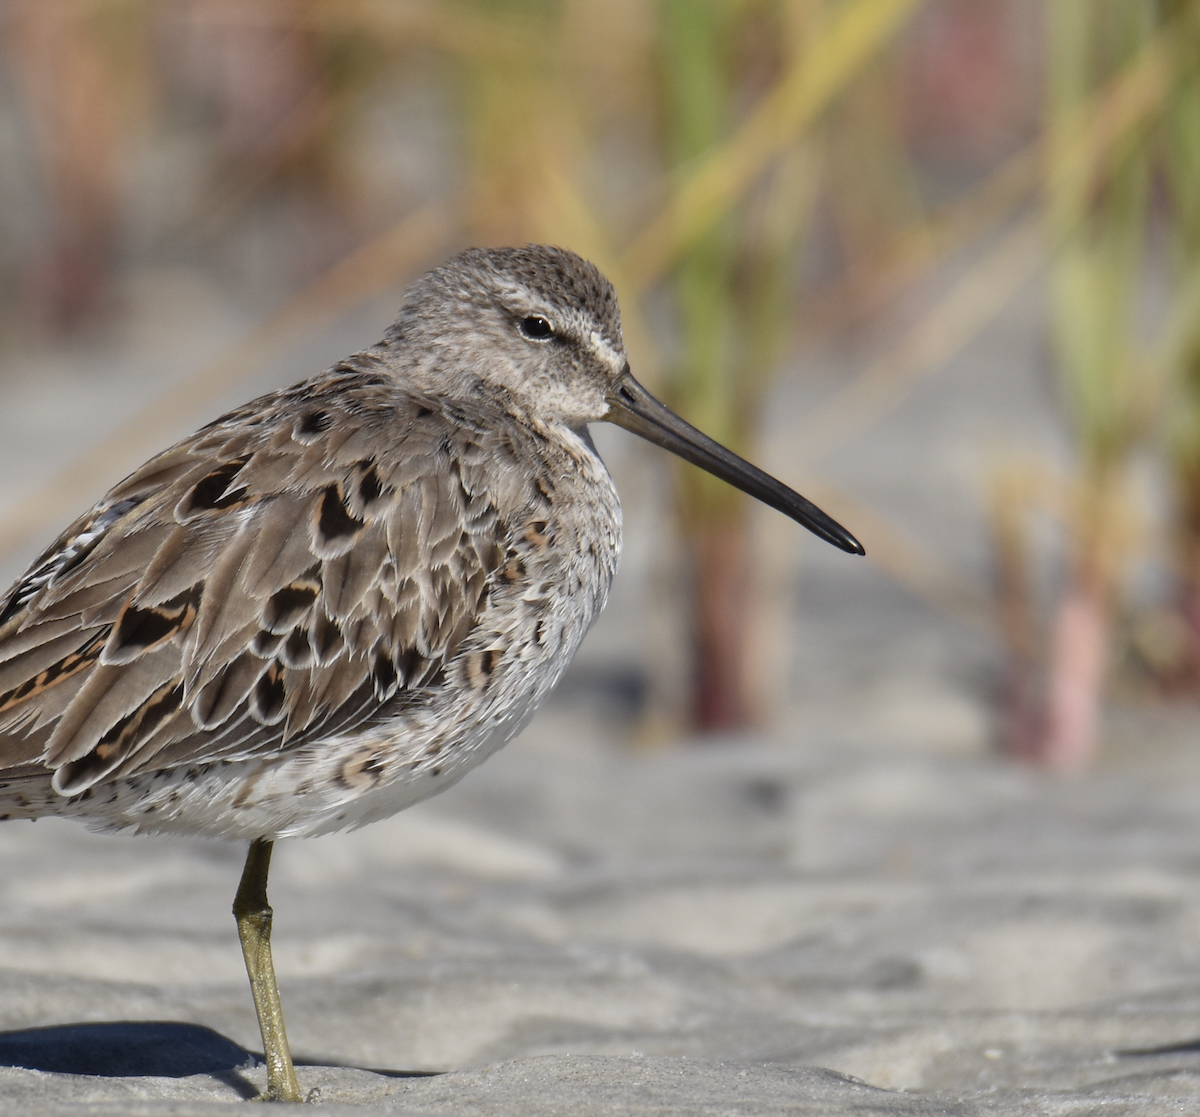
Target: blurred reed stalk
[510,102]
[697,89]
[734,287]
[71,95]
[1181,160]
[1020,730]
[1098,216]
[267,77]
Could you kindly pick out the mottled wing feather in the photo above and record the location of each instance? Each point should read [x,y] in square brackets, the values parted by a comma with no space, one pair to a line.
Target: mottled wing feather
[274,579]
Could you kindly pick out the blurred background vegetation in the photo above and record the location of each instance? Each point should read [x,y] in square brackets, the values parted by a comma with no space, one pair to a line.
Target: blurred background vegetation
[760,178]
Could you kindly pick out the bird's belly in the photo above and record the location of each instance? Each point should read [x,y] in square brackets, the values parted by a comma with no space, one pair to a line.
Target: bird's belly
[323,787]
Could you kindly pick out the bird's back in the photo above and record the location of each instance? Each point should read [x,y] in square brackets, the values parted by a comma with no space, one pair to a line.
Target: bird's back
[318,609]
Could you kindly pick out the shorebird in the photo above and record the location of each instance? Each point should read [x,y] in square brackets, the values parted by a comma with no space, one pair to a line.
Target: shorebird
[334,601]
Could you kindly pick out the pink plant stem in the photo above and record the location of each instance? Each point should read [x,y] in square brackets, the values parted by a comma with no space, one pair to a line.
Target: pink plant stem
[1079,656]
[720,702]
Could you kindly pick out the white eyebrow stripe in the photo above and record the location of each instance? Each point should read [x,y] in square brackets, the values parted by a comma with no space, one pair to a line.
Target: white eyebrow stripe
[602,345]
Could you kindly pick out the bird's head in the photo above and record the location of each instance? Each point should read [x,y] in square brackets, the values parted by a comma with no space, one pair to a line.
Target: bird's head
[537,330]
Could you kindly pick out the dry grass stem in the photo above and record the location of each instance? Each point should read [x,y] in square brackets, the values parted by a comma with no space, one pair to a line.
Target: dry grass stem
[835,56]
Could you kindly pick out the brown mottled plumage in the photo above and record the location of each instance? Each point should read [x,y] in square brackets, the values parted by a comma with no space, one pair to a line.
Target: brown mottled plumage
[337,599]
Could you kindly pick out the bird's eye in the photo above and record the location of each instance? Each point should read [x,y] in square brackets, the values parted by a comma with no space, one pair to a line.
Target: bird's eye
[535,328]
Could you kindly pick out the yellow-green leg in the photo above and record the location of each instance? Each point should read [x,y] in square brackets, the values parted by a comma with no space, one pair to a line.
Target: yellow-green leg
[253,915]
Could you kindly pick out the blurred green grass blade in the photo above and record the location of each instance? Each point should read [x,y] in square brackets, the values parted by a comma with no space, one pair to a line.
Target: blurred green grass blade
[698,92]
[836,54]
[1177,362]
[1098,201]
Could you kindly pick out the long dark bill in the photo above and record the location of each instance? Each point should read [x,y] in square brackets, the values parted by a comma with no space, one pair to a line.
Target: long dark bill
[635,409]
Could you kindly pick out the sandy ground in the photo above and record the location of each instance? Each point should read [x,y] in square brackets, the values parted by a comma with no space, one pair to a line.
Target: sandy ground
[578,928]
[861,911]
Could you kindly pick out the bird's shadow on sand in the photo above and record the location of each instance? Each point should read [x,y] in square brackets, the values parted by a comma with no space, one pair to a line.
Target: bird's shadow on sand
[144,1048]
[1183,1047]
